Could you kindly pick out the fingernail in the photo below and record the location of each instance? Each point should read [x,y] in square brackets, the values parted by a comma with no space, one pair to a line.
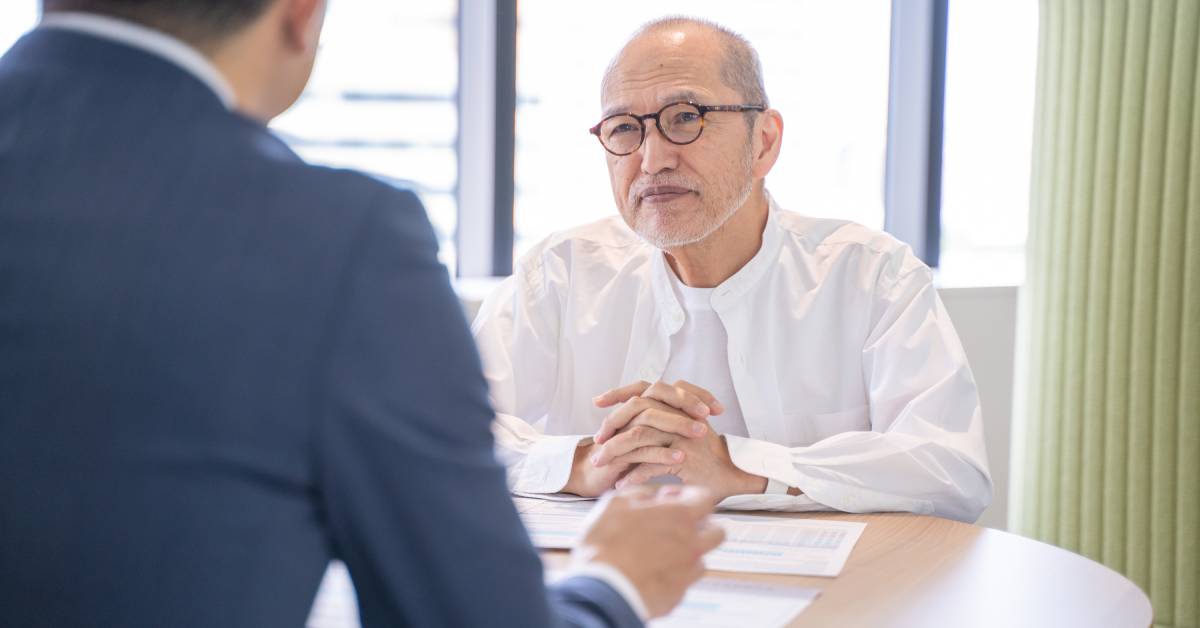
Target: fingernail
[595,459]
[597,399]
[677,456]
[703,409]
[698,429]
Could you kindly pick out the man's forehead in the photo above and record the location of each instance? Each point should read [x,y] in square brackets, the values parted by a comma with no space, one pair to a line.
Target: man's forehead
[660,68]
[629,91]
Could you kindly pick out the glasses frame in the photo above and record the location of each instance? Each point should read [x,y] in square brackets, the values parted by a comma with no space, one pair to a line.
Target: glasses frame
[641,119]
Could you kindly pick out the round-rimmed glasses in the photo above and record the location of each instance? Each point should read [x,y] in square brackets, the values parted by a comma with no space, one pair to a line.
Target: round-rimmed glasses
[679,122]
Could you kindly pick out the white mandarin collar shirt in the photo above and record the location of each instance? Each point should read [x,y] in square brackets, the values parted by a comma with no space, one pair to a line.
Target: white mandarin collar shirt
[148,40]
[852,383]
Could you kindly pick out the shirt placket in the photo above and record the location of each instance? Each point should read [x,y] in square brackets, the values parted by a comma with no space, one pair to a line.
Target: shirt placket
[654,361]
[762,422]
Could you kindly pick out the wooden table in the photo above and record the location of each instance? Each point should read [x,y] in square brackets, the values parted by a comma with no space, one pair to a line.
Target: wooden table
[910,570]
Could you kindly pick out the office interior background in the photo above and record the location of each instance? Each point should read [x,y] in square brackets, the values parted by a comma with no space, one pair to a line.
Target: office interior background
[922,117]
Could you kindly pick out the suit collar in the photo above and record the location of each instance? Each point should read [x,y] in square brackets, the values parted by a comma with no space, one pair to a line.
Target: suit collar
[148,40]
[81,63]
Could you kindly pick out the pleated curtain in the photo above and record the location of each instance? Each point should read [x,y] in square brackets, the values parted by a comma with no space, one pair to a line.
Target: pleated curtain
[1112,380]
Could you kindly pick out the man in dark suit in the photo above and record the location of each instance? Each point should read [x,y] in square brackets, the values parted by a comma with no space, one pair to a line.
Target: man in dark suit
[221,367]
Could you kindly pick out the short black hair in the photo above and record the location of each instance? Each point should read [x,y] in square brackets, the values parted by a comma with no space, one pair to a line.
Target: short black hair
[195,21]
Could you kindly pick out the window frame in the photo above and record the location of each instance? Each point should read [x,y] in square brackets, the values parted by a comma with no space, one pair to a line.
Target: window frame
[487,131]
[916,119]
[486,139]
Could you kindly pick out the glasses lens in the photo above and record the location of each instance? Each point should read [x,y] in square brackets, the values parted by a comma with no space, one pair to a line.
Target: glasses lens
[681,123]
[621,134]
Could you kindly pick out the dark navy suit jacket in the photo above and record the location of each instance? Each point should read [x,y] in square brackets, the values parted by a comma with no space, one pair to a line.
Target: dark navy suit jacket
[221,367]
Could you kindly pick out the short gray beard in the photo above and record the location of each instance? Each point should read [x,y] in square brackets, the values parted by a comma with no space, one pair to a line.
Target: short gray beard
[665,241]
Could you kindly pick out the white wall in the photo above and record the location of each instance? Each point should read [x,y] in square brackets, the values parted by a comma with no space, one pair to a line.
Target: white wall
[986,320]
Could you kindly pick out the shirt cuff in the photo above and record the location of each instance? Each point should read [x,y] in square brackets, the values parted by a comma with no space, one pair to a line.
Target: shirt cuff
[775,487]
[614,578]
[772,503]
[775,461]
[547,466]
[758,457]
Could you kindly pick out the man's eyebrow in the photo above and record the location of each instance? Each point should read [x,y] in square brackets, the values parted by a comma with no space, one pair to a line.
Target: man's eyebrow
[685,95]
[614,110]
[679,96]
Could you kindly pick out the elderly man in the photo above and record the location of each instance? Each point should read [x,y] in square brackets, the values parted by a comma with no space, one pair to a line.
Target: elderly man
[783,362]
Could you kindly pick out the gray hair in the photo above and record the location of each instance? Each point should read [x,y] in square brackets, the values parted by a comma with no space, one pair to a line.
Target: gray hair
[740,69]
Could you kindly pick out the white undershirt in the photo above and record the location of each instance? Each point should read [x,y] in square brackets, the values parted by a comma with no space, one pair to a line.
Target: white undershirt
[700,355]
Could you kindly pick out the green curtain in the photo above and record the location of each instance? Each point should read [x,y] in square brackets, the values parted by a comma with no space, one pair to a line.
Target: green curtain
[1112,409]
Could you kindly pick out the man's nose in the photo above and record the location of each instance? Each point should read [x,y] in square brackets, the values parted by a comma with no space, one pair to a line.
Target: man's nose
[658,154]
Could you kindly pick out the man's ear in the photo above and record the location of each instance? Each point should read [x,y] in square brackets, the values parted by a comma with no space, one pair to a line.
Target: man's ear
[768,136]
[302,21]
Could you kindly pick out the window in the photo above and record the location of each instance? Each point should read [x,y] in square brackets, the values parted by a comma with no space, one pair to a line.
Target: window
[991,62]
[382,101]
[826,70]
[16,18]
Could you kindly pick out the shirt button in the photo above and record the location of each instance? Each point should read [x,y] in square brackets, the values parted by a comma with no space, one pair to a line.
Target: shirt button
[677,318]
[741,359]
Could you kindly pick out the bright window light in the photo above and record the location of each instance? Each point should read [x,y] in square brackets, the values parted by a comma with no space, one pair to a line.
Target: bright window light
[826,71]
[991,66]
[382,101]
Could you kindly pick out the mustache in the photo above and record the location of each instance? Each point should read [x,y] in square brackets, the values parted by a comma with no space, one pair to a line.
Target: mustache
[669,179]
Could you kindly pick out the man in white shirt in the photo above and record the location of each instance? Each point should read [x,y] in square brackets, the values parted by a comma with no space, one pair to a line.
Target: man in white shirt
[783,362]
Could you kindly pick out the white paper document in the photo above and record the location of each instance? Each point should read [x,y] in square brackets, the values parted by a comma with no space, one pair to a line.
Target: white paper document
[716,602]
[553,524]
[725,603]
[800,547]
[555,497]
[753,544]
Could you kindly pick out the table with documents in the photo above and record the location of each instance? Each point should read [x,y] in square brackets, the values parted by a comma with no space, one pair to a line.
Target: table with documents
[902,570]
[753,544]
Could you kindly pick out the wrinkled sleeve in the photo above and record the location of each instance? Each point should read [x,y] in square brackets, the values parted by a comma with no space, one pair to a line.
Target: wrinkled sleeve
[925,450]
[516,331]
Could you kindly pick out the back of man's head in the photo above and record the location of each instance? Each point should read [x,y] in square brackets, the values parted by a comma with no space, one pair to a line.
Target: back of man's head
[199,22]
[265,49]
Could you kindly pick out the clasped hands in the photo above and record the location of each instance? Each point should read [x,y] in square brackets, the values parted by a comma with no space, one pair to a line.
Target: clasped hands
[658,429]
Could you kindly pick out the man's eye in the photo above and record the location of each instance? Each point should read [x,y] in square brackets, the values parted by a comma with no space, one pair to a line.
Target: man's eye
[623,128]
[686,117]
